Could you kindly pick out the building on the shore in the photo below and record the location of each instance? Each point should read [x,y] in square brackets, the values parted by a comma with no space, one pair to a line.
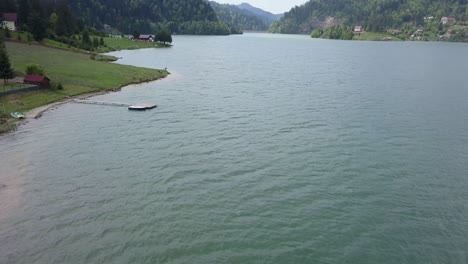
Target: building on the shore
[447,20]
[9,20]
[359,29]
[39,80]
[146,38]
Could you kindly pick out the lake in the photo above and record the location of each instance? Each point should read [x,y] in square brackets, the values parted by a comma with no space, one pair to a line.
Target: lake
[263,149]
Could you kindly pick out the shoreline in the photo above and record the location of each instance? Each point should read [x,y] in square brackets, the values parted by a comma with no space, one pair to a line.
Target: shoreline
[37,112]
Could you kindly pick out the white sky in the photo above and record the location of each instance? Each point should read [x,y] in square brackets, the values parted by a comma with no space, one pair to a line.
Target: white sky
[274,6]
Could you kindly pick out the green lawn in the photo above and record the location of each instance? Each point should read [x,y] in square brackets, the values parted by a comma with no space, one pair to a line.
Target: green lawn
[112,44]
[125,43]
[77,72]
[373,36]
[11,86]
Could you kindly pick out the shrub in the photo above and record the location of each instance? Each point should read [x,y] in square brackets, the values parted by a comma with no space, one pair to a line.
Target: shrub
[34,69]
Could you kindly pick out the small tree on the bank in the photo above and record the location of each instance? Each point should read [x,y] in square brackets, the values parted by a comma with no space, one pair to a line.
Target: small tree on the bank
[34,69]
[136,34]
[163,36]
[6,72]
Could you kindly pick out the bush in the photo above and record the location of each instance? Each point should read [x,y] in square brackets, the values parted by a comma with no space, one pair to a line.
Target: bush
[59,86]
[34,69]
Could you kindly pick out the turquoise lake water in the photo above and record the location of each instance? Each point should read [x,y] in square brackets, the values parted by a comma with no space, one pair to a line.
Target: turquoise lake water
[263,149]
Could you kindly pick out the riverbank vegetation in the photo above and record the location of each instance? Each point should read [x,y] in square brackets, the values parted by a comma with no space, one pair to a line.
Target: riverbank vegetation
[75,71]
[333,32]
[404,20]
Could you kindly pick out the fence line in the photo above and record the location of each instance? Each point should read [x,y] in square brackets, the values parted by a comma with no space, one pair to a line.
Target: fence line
[21,90]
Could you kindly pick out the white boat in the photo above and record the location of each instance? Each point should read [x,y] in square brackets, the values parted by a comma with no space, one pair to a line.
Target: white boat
[17,115]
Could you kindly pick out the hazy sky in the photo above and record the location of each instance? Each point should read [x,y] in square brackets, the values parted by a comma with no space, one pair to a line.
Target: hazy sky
[274,6]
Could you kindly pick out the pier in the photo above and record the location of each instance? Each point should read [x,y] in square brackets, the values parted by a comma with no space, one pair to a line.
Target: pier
[137,107]
[79,101]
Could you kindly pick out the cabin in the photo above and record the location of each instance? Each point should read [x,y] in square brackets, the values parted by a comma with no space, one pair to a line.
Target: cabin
[447,20]
[146,38]
[9,20]
[359,29]
[39,80]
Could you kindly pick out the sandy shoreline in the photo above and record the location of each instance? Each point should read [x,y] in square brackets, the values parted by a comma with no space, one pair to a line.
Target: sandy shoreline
[38,111]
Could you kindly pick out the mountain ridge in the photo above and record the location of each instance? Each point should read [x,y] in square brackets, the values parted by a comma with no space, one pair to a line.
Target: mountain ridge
[244,16]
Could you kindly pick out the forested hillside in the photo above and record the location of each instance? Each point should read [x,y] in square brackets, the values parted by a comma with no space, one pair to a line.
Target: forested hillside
[266,16]
[374,15]
[239,18]
[145,16]
[181,16]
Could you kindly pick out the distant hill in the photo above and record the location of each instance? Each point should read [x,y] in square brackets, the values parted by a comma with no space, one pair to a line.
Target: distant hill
[239,18]
[374,15]
[267,17]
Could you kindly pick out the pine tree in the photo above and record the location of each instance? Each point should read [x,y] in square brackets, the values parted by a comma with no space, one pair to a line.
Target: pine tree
[6,72]
[95,42]
[23,13]
[65,20]
[36,20]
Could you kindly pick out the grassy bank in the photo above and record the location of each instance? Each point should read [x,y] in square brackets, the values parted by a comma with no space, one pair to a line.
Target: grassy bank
[77,72]
[374,36]
[111,44]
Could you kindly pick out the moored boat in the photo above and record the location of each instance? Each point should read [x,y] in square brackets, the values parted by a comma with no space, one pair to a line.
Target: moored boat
[17,115]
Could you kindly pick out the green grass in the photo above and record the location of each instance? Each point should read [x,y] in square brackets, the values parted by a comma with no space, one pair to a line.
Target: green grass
[458,27]
[60,45]
[77,72]
[111,44]
[11,86]
[373,36]
[125,43]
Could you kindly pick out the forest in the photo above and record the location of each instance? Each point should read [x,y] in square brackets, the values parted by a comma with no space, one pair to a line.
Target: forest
[146,16]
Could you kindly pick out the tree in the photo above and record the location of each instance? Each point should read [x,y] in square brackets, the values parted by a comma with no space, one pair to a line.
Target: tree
[23,13]
[37,26]
[36,20]
[6,72]
[65,21]
[95,42]
[86,40]
[163,36]
[135,34]
[34,69]
[53,20]
[8,6]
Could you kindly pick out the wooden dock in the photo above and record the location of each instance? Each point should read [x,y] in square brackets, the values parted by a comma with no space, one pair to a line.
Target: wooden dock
[79,101]
[137,107]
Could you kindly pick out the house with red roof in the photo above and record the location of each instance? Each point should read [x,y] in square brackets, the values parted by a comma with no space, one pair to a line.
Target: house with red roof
[146,38]
[9,20]
[39,80]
